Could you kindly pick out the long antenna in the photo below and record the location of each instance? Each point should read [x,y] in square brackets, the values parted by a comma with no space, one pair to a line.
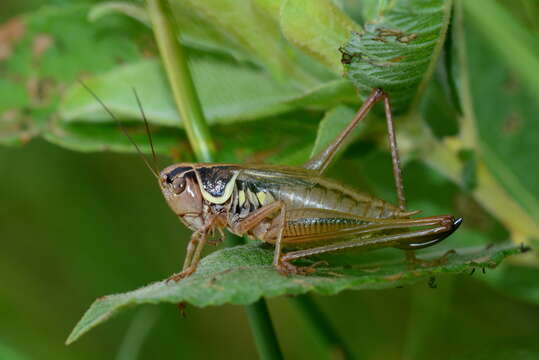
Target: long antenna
[122,128]
[148,132]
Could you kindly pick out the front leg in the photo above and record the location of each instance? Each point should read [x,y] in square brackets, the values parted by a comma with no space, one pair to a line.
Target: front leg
[194,249]
[198,240]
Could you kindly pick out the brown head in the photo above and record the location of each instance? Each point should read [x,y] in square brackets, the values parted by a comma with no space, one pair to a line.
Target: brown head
[180,188]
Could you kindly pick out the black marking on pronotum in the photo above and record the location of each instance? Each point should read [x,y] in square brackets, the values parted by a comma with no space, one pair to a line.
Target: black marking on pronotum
[176,171]
[215,178]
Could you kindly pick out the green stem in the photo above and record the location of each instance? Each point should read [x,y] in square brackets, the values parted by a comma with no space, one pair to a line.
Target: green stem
[263,331]
[259,319]
[319,321]
[180,80]
[188,104]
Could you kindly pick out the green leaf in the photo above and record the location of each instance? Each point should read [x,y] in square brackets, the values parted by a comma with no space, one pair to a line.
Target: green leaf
[318,27]
[505,110]
[283,141]
[500,140]
[129,9]
[108,137]
[196,32]
[333,123]
[229,92]
[513,42]
[285,138]
[398,49]
[50,50]
[249,25]
[243,274]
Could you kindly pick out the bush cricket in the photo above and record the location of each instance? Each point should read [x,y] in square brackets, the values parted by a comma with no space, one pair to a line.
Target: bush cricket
[293,207]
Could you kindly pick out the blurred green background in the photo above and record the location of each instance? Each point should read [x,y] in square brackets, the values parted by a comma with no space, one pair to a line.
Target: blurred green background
[76,226]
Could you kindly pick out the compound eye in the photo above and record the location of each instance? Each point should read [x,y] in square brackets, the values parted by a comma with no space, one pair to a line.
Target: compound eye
[179,185]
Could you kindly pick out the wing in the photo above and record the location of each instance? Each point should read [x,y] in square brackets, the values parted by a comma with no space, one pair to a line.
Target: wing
[305,227]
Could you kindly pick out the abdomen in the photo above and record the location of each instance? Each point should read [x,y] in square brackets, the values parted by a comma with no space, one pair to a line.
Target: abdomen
[300,188]
[332,196]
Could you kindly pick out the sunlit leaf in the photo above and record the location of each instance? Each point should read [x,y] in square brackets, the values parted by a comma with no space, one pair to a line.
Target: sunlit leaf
[229,92]
[318,27]
[254,30]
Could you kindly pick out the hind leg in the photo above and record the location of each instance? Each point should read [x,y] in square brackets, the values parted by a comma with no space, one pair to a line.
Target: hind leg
[406,240]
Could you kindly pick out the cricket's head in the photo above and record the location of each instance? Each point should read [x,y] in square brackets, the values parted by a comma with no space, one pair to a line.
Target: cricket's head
[180,188]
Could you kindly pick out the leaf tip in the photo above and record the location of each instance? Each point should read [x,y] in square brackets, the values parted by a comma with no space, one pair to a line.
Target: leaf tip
[95,315]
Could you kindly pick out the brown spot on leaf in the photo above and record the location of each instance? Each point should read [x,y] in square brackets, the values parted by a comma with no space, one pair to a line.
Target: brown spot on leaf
[15,123]
[379,38]
[407,38]
[10,115]
[25,138]
[512,123]
[147,46]
[346,58]
[511,85]
[397,59]
[40,44]
[10,33]
[397,34]
[40,89]
[394,277]
[389,32]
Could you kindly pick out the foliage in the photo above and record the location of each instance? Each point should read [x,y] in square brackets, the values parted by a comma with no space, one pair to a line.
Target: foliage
[272,67]
[243,274]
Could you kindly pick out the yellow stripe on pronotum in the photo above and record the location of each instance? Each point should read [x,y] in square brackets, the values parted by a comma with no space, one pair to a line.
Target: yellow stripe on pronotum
[226,193]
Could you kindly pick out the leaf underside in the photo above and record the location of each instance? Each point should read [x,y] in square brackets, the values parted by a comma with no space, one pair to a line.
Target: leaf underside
[243,274]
